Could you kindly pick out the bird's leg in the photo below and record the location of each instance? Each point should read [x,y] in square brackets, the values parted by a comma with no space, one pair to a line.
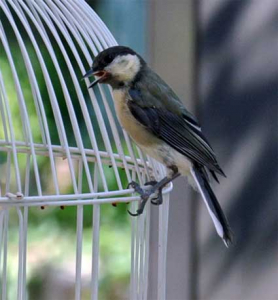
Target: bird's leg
[145,194]
[159,199]
[140,209]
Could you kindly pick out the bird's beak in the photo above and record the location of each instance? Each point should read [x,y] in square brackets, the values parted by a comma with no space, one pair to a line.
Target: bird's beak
[101,75]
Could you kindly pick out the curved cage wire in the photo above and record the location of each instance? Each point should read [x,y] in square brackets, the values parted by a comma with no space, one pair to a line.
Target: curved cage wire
[56,134]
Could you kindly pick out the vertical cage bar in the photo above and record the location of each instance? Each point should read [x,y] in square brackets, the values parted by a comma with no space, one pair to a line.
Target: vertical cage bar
[162,248]
[142,227]
[133,250]
[5,253]
[24,256]
[20,255]
[147,248]
[79,237]
[2,227]
[95,241]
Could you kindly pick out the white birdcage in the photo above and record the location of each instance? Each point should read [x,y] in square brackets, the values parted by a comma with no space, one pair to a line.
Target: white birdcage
[47,46]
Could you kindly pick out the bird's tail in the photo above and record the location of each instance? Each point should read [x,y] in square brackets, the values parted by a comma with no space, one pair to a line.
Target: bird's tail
[220,221]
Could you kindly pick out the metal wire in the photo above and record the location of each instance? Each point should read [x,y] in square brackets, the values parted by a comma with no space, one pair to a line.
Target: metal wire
[73,28]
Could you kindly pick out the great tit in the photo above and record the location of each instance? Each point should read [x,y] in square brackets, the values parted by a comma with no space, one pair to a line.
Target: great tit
[158,122]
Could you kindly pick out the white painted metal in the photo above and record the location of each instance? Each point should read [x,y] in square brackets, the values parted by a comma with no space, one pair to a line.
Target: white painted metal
[72,22]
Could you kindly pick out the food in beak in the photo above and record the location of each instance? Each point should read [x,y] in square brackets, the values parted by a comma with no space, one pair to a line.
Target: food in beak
[101,75]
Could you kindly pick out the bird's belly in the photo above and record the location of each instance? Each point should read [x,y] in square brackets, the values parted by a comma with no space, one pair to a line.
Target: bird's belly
[137,131]
[169,157]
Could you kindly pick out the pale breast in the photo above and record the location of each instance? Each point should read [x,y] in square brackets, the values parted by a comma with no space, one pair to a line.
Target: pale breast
[136,131]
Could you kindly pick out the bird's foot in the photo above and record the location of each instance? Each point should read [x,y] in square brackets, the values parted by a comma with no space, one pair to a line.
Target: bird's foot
[145,195]
[134,185]
[159,199]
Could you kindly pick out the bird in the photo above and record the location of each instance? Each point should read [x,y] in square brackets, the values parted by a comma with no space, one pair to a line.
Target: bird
[159,123]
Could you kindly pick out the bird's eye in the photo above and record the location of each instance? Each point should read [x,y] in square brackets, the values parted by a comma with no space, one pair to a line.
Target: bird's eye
[108,59]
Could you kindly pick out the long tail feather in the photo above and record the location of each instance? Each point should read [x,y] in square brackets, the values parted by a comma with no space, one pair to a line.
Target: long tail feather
[220,221]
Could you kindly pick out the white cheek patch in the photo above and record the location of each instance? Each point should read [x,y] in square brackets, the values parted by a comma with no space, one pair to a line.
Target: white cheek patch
[124,67]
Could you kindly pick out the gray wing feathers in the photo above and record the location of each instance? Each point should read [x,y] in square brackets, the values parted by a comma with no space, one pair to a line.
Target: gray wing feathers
[172,129]
[156,106]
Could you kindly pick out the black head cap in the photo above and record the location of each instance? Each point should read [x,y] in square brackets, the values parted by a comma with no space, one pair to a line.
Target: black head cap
[104,58]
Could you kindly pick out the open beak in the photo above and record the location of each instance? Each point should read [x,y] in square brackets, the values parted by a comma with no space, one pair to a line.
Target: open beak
[101,75]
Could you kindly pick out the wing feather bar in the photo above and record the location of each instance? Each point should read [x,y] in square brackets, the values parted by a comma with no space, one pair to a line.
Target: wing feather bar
[175,131]
[194,137]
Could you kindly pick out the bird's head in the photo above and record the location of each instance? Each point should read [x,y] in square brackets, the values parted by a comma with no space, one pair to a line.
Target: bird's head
[117,66]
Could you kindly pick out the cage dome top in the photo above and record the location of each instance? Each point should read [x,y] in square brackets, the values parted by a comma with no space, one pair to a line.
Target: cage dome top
[54,132]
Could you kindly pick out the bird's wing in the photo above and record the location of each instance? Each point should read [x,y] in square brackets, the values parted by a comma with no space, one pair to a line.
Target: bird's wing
[179,130]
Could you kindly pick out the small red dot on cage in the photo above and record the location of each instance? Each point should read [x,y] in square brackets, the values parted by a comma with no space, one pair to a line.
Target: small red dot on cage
[114,204]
